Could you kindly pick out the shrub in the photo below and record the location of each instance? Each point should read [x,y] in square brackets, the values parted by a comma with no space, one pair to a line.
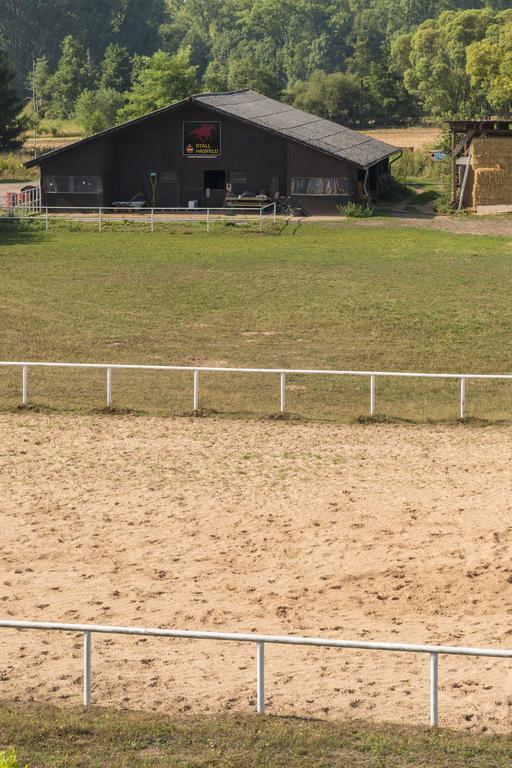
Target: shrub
[357,210]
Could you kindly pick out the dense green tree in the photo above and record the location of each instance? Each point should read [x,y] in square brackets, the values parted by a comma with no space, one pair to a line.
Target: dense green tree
[337,96]
[246,74]
[116,68]
[74,74]
[11,123]
[33,28]
[435,68]
[406,55]
[39,87]
[489,65]
[97,110]
[29,30]
[162,79]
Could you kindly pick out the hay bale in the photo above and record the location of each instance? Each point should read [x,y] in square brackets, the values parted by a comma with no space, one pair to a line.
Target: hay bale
[491,160]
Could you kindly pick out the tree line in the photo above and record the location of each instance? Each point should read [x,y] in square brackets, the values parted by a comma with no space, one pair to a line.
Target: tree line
[359,62]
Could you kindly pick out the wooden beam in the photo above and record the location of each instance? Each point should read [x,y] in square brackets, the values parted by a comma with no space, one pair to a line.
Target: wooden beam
[463,187]
[460,146]
[453,199]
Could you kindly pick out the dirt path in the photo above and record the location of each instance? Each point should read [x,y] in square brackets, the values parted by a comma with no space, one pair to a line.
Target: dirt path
[381,532]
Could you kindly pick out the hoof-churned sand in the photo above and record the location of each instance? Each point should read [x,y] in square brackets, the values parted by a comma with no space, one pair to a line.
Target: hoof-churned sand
[379,532]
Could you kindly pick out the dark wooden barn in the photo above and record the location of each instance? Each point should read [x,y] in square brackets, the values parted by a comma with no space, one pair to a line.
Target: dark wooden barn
[214,147]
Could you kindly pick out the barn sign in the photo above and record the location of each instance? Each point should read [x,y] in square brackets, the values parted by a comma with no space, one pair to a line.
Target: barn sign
[201,139]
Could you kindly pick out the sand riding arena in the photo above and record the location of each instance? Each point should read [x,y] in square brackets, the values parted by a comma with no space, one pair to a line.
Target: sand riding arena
[377,532]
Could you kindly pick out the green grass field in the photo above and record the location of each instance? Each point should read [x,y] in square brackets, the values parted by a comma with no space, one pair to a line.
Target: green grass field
[345,295]
[46,736]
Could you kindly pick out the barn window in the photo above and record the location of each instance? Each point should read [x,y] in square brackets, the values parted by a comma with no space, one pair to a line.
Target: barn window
[237,177]
[237,182]
[320,185]
[168,177]
[77,185]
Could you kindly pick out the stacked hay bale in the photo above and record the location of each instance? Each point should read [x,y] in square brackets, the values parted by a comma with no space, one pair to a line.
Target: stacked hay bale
[491,162]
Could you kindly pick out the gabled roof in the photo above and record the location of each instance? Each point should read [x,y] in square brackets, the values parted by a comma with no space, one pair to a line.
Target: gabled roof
[293,123]
[275,117]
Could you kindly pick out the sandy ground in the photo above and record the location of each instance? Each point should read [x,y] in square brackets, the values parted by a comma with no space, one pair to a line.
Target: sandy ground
[382,532]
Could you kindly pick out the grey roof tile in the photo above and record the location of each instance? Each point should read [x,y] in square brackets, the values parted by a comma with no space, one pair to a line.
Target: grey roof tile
[323,135]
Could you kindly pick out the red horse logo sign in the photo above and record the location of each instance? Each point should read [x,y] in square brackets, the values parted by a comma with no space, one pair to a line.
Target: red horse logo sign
[204,132]
[201,139]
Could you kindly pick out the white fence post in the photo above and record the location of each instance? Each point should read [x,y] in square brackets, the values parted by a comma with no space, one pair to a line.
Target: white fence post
[46,219]
[462,398]
[434,690]
[24,388]
[260,678]
[152,219]
[99,220]
[207,219]
[196,391]
[275,213]
[109,387]
[87,668]
[372,395]
[283,392]
[261,219]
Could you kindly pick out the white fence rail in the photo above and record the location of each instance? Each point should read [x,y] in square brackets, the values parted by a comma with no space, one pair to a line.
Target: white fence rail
[282,373]
[149,216]
[433,651]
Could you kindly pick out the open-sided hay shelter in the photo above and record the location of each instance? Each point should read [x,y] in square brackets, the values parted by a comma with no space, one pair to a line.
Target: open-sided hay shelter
[482,165]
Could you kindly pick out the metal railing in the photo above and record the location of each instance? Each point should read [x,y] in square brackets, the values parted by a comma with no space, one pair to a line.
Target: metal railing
[152,216]
[282,373]
[434,651]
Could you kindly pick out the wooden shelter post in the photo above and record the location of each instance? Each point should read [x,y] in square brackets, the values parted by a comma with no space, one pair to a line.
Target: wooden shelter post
[453,200]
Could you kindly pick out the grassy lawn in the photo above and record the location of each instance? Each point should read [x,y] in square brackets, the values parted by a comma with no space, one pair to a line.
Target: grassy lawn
[316,296]
[46,736]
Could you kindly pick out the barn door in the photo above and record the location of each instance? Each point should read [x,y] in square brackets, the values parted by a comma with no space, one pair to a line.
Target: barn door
[191,186]
[167,195]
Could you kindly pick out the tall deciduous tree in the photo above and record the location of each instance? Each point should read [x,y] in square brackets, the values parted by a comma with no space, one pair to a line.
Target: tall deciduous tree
[116,68]
[74,74]
[489,64]
[337,96]
[162,79]
[39,86]
[33,28]
[11,123]
[436,62]
[97,110]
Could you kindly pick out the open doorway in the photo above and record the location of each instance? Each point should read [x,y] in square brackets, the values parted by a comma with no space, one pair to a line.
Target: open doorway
[215,179]
[215,187]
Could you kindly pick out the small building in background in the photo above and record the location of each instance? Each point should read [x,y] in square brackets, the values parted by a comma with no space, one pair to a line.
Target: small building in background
[482,164]
[218,149]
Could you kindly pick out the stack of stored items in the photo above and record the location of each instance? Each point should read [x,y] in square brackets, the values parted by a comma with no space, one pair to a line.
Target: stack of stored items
[491,161]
